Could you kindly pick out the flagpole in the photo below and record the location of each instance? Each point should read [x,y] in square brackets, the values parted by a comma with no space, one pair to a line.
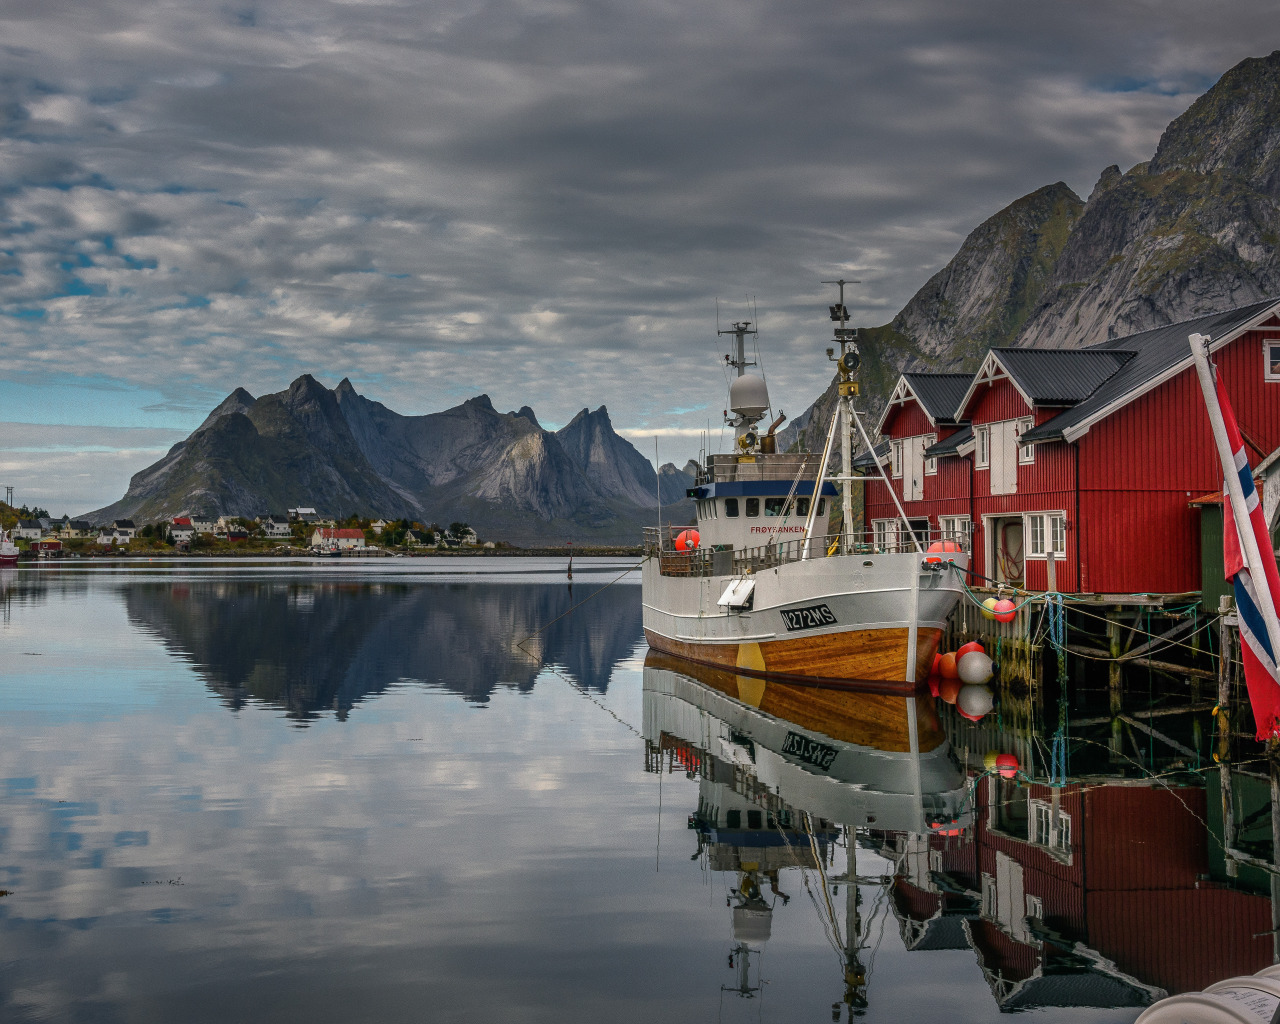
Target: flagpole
[1244,528]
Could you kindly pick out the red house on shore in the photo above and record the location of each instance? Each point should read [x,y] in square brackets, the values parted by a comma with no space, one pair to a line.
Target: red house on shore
[1092,455]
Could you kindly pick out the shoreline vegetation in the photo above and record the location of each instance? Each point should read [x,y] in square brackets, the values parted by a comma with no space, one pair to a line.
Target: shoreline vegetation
[242,538]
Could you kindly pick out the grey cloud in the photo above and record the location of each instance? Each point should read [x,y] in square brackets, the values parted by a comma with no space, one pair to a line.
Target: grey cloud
[537,200]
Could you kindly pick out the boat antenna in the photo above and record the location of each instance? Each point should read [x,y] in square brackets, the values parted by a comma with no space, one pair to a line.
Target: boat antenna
[657,487]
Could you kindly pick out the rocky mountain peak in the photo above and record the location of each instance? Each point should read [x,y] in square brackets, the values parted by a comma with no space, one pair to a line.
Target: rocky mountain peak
[1234,127]
[238,401]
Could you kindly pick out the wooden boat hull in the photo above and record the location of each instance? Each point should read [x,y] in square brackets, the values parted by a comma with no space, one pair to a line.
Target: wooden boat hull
[872,620]
[870,660]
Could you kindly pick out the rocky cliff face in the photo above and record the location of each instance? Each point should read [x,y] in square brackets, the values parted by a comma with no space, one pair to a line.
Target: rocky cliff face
[342,453]
[1190,232]
[613,464]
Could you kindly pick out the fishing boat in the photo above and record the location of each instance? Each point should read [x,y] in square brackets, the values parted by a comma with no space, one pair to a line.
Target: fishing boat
[8,549]
[765,584]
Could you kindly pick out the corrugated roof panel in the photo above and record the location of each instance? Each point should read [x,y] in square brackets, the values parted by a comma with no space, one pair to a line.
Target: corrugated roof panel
[1156,351]
[1057,376]
[939,393]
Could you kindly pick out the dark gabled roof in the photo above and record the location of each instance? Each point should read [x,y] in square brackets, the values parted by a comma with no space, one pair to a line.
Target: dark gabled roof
[124,524]
[939,393]
[865,460]
[28,524]
[1060,376]
[951,444]
[1158,353]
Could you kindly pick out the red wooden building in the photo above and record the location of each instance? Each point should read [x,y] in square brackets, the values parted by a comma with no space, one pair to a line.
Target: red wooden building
[1091,455]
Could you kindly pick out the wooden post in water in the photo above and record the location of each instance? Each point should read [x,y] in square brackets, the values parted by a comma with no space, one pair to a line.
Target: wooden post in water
[1224,734]
[1114,685]
[1273,750]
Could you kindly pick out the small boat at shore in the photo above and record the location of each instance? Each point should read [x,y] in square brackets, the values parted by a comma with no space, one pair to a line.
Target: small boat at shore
[764,585]
[8,549]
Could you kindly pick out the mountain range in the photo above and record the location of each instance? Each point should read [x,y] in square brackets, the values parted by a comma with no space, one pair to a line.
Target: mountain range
[342,453]
[1191,231]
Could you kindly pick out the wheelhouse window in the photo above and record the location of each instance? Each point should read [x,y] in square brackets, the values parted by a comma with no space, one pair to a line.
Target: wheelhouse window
[731,508]
[1271,359]
[982,447]
[774,507]
[1026,452]
[802,506]
[753,508]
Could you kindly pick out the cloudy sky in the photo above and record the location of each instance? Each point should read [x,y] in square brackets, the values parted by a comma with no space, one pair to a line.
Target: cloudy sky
[537,199]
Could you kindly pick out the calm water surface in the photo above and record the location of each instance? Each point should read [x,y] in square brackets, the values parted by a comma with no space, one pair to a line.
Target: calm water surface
[341,792]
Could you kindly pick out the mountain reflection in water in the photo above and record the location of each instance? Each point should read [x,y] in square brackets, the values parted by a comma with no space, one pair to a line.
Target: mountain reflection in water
[312,647]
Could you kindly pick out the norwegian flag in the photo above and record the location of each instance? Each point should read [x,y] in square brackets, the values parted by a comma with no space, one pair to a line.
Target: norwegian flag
[1260,672]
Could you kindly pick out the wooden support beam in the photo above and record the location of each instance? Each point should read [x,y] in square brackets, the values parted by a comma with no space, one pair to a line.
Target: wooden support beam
[1168,634]
[1157,734]
[1190,709]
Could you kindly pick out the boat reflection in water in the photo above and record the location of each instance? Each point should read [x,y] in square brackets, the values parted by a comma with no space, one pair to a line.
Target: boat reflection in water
[787,773]
[1105,890]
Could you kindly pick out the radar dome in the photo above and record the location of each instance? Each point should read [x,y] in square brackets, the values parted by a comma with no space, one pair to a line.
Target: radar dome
[748,396]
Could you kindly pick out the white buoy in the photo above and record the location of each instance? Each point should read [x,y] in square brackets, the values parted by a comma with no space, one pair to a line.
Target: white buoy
[975,700]
[974,667]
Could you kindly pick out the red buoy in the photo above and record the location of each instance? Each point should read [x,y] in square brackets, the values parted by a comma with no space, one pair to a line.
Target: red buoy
[687,540]
[1004,610]
[972,645]
[1007,765]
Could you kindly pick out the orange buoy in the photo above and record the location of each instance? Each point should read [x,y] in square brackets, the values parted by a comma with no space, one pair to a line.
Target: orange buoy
[949,690]
[947,666]
[687,540]
[942,546]
[1004,610]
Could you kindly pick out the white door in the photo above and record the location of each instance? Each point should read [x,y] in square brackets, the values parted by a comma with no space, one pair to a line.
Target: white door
[1004,457]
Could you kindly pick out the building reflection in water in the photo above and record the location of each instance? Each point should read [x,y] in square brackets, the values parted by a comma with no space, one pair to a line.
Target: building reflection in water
[1108,891]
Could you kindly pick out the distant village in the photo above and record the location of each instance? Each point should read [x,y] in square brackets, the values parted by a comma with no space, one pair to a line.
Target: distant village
[298,531]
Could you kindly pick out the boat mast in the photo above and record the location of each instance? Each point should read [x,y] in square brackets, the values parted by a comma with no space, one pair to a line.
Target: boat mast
[738,360]
[848,387]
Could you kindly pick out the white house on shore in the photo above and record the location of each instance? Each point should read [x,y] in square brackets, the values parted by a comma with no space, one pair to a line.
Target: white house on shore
[329,538]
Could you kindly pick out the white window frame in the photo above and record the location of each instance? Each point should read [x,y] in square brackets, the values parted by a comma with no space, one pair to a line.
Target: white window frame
[1056,837]
[931,461]
[1269,373]
[895,460]
[982,447]
[956,526]
[1026,452]
[1050,528]
[884,534]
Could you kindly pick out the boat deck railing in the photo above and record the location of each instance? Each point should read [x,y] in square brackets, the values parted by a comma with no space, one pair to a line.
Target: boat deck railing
[721,469]
[722,560]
